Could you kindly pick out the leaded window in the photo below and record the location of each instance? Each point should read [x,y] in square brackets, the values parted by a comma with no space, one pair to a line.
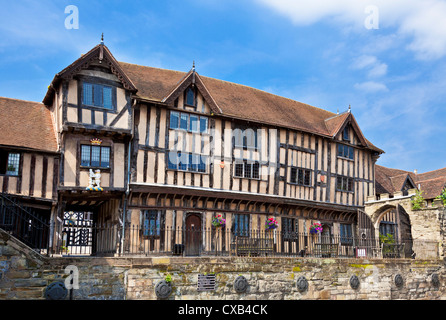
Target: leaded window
[346,234]
[344,183]
[245,138]
[247,169]
[300,176]
[95,156]
[190,97]
[188,122]
[290,228]
[240,225]
[151,223]
[97,95]
[345,151]
[185,161]
[9,163]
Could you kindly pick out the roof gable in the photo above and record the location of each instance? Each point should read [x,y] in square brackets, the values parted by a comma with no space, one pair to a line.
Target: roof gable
[191,79]
[239,101]
[335,126]
[99,53]
[389,180]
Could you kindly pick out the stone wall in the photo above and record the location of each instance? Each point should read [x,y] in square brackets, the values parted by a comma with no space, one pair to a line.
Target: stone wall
[427,224]
[25,275]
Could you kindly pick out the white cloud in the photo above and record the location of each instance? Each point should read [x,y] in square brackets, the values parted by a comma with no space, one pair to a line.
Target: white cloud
[374,67]
[371,86]
[422,22]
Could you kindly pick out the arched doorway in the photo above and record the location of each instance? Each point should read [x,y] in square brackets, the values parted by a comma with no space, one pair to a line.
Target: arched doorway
[394,228]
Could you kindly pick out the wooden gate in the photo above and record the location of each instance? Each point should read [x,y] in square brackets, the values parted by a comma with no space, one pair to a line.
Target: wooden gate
[193,235]
[366,233]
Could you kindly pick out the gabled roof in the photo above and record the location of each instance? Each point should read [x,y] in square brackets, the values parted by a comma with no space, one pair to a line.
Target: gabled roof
[99,53]
[336,124]
[389,180]
[224,98]
[191,78]
[26,124]
[239,101]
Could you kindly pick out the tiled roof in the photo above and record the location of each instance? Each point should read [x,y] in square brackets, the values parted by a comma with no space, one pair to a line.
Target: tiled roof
[230,99]
[240,101]
[389,180]
[26,124]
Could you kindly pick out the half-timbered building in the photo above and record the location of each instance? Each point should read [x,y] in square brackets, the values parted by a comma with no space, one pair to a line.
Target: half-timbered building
[141,154]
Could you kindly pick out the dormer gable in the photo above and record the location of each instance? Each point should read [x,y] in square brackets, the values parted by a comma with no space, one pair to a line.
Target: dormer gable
[93,93]
[344,127]
[98,58]
[189,88]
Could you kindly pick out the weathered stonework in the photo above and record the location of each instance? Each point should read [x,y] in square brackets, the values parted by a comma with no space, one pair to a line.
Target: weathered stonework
[426,224]
[25,275]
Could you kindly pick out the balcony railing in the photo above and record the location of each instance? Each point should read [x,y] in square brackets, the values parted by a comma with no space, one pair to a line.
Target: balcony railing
[139,241]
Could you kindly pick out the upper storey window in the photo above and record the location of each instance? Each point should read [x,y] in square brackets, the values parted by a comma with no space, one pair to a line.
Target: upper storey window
[190,97]
[246,138]
[188,122]
[345,151]
[346,134]
[95,156]
[97,95]
[9,163]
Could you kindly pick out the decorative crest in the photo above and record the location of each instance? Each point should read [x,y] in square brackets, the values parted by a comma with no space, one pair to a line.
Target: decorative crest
[96,141]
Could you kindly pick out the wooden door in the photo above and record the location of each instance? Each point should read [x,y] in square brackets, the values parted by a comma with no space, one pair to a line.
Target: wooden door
[193,235]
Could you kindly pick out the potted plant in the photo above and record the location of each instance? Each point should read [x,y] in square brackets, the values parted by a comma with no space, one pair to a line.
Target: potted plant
[271,224]
[316,228]
[218,221]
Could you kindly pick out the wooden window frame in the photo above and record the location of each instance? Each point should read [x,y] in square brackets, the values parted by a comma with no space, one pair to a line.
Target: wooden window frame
[342,153]
[102,85]
[147,216]
[244,163]
[200,118]
[100,157]
[346,133]
[185,98]
[346,233]
[299,171]
[7,159]
[244,231]
[345,184]
[290,228]
[244,139]
[189,165]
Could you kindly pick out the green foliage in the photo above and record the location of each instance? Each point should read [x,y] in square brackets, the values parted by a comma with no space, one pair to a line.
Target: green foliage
[442,196]
[386,238]
[417,200]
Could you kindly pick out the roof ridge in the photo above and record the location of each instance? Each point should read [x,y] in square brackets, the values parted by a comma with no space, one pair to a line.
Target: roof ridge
[23,100]
[140,65]
[270,93]
[441,177]
[431,171]
[336,115]
[233,83]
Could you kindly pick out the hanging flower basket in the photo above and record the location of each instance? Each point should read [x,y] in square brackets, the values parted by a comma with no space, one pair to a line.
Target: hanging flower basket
[271,224]
[218,221]
[316,228]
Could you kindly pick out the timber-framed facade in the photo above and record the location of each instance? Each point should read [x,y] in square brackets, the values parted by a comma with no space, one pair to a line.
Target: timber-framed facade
[171,150]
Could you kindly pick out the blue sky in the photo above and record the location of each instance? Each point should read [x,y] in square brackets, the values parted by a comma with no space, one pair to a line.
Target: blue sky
[387,59]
